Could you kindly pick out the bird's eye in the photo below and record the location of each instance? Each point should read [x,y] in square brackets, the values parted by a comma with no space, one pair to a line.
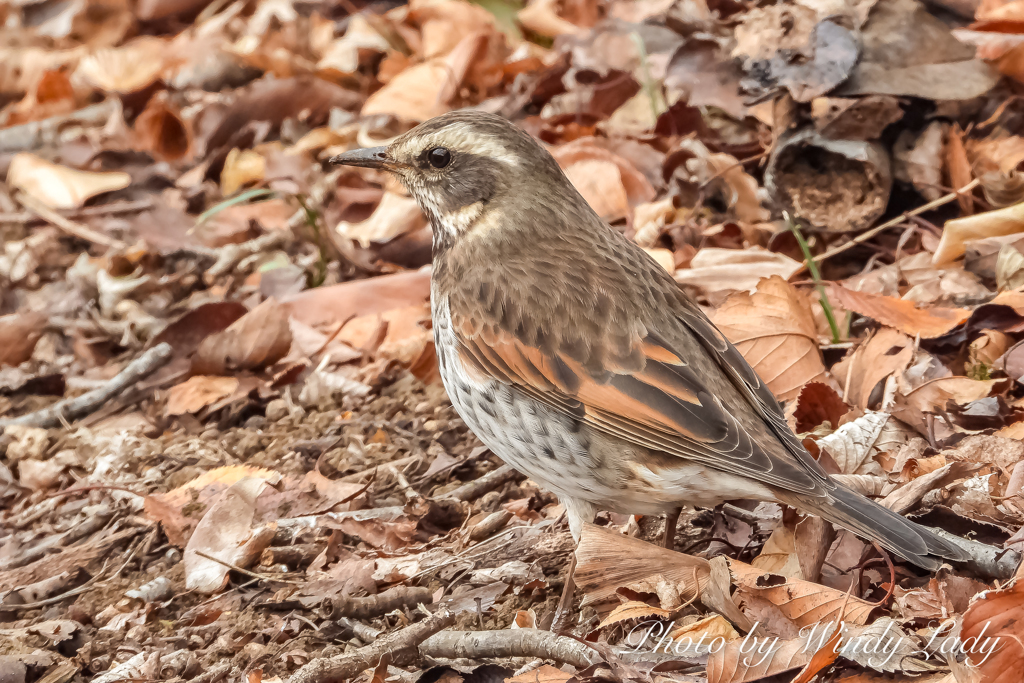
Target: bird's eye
[439,157]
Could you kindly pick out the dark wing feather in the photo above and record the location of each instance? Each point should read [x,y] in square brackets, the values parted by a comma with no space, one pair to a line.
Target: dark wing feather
[663,405]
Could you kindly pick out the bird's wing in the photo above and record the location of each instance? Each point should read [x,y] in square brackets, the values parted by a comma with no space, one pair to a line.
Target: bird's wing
[660,402]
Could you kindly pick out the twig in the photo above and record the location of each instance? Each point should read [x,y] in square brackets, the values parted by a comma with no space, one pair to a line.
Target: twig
[865,236]
[39,133]
[488,482]
[987,561]
[401,645]
[376,605]
[112,209]
[241,570]
[74,229]
[73,408]
[826,305]
[526,642]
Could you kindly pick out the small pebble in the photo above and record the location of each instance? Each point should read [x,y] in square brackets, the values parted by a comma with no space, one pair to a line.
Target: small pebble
[277,410]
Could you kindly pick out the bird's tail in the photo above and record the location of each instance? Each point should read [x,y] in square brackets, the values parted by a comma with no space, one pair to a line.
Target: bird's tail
[894,532]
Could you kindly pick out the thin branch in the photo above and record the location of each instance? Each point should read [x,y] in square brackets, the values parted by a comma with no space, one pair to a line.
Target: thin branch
[526,642]
[72,228]
[73,408]
[401,645]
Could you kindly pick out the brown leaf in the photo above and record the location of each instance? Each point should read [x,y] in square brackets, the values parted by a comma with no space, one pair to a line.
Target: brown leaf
[900,314]
[817,404]
[226,532]
[160,130]
[19,333]
[995,620]
[609,183]
[258,339]
[197,392]
[329,306]
[607,560]
[958,166]
[752,659]
[180,509]
[861,372]
[803,602]
[190,329]
[774,330]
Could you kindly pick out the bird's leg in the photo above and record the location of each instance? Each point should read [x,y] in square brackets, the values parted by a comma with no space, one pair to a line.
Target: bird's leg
[578,512]
[565,601]
[671,520]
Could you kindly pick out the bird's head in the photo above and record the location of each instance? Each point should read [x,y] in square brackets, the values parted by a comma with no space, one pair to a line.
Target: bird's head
[462,166]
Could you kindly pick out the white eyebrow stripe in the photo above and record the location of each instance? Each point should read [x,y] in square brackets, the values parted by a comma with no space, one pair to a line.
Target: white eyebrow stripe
[460,137]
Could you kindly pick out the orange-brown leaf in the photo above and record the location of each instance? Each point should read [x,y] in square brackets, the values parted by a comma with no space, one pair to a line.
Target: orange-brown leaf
[900,314]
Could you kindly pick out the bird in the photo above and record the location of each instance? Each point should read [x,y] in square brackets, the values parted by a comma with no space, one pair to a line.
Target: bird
[578,360]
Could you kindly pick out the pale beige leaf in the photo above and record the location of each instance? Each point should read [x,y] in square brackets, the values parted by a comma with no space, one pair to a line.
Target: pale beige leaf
[853,444]
[996,223]
[631,610]
[226,532]
[715,270]
[396,215]
[60,187]
[774,330]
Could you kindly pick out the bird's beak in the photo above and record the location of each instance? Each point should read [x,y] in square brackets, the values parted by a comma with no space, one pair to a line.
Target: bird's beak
[369,157]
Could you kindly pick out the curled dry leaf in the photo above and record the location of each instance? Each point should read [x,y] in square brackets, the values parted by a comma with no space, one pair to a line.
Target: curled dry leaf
[774,330]
[719,270]
[126,69]
[609,183]
[541,17]
[60,187]
[160,130]
[241,167]
[956,232]
[226,532]
[396,215]
[862,372]
[19,333]
[628,611]
[995,620]
[900,314]
[803,602]
[341,57]
[852,445]
[607,560]
[258,339]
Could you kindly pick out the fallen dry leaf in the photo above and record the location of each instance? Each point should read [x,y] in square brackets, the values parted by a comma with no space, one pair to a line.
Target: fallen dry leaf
[994,626]
[774,330]
[803,602]
[60,187]
[396,215]
[19,333]
[900,314]
[226,532]
[197,392]
[1007,221]
[258,339]
[718,270]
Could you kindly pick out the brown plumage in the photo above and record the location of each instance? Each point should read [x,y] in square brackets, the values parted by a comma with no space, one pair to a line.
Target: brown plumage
[578,360]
